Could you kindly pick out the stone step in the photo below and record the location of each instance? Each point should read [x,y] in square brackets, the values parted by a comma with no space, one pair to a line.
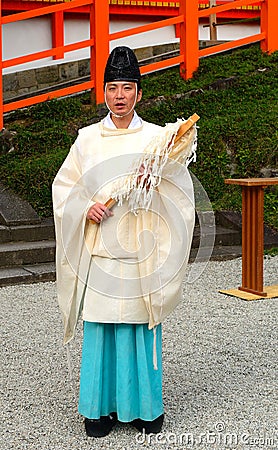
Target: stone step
[36,232]
[14,254]
[27,274]
[222,236]
[218,253]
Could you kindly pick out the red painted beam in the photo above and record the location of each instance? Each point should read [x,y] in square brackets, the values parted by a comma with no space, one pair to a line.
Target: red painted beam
[143,8]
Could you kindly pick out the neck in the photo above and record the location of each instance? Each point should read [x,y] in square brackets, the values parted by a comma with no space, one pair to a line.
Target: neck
[122,122]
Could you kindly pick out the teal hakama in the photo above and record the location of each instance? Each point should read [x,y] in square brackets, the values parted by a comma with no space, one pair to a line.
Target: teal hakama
[117,372]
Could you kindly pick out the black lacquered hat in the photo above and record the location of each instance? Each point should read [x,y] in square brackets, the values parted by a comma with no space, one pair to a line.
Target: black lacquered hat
[122,65]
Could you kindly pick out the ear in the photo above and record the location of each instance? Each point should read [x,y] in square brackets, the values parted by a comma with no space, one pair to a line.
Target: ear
[139,95]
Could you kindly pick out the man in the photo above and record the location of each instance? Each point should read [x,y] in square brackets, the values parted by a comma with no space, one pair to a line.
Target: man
[122,280]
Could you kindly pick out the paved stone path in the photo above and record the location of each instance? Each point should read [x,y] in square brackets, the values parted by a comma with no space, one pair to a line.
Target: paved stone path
[220,371]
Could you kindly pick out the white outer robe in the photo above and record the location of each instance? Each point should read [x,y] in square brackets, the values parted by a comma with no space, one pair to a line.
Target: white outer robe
[105,271]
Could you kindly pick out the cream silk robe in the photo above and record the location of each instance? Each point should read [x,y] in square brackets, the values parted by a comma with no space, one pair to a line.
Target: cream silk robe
[130,268]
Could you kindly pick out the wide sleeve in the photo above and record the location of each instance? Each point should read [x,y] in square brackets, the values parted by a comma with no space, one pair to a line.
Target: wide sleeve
[70,205]
[166,232]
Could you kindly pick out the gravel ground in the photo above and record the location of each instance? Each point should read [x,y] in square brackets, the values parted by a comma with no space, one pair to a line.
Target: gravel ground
[220,371]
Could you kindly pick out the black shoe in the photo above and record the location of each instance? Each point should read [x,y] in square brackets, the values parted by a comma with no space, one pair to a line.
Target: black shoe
[100,427]
[150,426]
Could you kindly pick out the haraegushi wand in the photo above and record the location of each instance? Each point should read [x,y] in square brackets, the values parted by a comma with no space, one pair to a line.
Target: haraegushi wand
[172,151]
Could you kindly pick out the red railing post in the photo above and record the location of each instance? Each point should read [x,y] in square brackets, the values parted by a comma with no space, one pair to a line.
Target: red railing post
[99,30]
[269,15]
[189,37]
[58,33]
[1,73]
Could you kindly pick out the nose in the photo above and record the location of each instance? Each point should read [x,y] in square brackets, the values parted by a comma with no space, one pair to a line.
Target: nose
[120,92]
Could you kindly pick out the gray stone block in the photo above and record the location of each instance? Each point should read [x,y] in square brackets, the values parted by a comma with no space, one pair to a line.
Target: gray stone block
[26,79]
[14,210]
[144,53]
[47,74]
[23,91]
[229,219]
[37,232]
[41,269]
[10,276]
[5,235]
[10,82]
[27,274]
[46,85]
[15,254]
[165,48]
[68,71]
[84,68]
[9,95]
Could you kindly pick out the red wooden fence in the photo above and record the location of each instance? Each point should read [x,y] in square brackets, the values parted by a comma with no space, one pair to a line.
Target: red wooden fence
[139,8]
[187,20]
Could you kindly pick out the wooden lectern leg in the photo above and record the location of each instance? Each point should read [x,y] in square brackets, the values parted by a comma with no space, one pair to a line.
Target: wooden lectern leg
[252,239]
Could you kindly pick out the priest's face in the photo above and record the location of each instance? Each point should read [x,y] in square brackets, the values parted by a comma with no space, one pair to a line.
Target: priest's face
[121,97]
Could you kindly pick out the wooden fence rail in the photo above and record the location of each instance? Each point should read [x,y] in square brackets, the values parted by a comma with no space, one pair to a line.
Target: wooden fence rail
[187,21]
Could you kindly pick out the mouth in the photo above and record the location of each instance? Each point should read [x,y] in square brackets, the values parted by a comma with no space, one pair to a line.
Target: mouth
[119,105]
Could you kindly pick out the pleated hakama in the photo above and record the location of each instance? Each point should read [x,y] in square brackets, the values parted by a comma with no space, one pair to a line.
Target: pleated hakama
[117,371]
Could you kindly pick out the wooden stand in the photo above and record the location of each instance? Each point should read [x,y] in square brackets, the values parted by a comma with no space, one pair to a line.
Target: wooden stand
[253,233]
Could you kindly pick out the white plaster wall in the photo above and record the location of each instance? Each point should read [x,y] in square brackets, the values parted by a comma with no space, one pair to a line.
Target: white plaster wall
[24,37]
[34,35]
[230,32]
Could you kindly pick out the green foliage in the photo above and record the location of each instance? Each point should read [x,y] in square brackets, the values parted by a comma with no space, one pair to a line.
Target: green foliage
[271,206]
[32,176]
[230,64]
[238,125]
[56,109]
[237,134]
[271,252]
